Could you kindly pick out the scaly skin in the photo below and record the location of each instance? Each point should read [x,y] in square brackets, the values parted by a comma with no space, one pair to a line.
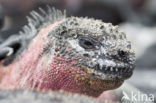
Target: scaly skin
[79,55]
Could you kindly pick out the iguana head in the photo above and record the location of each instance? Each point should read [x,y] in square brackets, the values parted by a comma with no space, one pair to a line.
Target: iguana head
[100,48]
[75,54]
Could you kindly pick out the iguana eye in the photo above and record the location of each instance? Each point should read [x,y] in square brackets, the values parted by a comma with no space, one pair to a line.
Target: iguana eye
[87,42]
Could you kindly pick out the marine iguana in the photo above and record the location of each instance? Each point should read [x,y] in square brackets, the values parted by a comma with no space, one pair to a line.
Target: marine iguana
[75,54]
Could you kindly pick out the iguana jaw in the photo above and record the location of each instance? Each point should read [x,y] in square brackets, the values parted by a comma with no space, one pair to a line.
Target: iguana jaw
[117,71]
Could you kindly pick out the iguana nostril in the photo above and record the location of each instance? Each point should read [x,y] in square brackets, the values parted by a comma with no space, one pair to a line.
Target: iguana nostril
[122,53]
[86,55]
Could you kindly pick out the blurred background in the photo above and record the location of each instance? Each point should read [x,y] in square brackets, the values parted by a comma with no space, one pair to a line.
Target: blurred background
[137,18]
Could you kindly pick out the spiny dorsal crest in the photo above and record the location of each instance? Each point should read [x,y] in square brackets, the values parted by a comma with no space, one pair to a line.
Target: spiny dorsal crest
[39,20]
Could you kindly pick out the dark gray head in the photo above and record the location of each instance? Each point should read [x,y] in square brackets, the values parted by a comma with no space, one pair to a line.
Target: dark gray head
[101,48]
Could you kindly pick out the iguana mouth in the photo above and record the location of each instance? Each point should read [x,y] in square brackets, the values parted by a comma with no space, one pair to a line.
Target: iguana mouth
[115,72]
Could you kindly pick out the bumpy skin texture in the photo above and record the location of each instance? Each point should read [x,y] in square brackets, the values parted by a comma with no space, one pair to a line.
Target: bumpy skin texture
[79,55]
[25,96]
